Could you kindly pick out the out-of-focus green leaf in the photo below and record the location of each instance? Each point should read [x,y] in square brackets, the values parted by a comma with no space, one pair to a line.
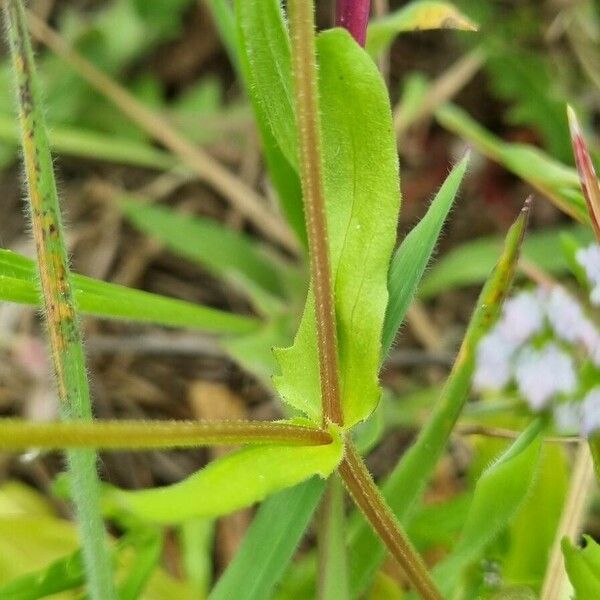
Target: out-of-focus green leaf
[532,530]
[470,263]
[583,568]
[411,258]
[333,576]
[556,181]
[108,300]
[147,546]
[197,538]
[515,593]
[362,200]
[227,484]
[224,19]
[499,492]
[267,550]
[408,479]
[415,16]
[226,253]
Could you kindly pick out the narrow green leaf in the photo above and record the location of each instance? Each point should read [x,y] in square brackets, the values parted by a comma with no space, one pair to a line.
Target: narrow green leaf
[408,479]
[333,572]
[18,283]
[267,549]
[411,258]
[362,193]
[196,538]
[557,182]
[499,492]
[85,143]
[227,484]
[226,253]
[265,63]
[147,546]
[267,66]
[470,263]
[224,19]
[583,567]
[415,16]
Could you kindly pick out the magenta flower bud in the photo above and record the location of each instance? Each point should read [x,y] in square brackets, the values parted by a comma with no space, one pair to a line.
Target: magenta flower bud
[589,182]
[353,15]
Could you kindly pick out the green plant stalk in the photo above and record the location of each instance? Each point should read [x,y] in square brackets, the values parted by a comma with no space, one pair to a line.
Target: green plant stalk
[369,499]
[61,317]
[19,434]
[408,479]
[301,18]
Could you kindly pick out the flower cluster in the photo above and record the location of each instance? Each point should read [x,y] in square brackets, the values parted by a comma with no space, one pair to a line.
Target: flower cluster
[539,347]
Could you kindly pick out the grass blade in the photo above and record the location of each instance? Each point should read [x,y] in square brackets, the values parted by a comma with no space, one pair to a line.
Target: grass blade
[267,549]
[411,258]
[108,300]
[59,304]
[408,479]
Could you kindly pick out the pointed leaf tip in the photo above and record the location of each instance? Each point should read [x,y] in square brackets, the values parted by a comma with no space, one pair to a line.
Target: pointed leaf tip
[587,174]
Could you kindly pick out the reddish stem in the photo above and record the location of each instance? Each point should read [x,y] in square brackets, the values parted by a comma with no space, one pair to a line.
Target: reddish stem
[353,15]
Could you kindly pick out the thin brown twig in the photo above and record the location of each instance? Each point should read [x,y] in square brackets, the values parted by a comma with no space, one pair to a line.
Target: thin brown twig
[368,498]
[243,198]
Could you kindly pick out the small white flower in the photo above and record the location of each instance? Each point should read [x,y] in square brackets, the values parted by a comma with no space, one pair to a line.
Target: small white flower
[541,374]
[589,259]
[493,370]
[566,315]
[590,409]
[522,317]
[567,418]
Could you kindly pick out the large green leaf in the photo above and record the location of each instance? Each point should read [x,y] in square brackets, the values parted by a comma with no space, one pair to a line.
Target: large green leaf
[18,283]
[499,492]
[408,479]
[583,567]
[267,549]
[415,16]
[556,181]
[227,484]
[362,195]
[411,258]
[226,253]
[470,263]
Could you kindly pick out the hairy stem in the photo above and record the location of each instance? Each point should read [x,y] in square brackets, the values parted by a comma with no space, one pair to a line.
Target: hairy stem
[61,318]
[139,435]
[368,498]
[301,17]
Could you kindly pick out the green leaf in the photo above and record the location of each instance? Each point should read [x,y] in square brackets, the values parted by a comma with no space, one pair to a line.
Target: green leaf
[556,181]
[470,263]
[583,567]
[411,258]
[224,19]
[229,254]
[265,61]
[267,549]
[415,16]
[333,575]
[227,484]
[362,193]
[267,66]
[147,545]
[18,283]
[499,492]
[408,479]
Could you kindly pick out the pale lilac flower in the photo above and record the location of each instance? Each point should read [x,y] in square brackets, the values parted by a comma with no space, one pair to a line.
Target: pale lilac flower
[590,409]
[566,316]
[522,317]
[567,418]
[544,373]
[493,370]
[589,259]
